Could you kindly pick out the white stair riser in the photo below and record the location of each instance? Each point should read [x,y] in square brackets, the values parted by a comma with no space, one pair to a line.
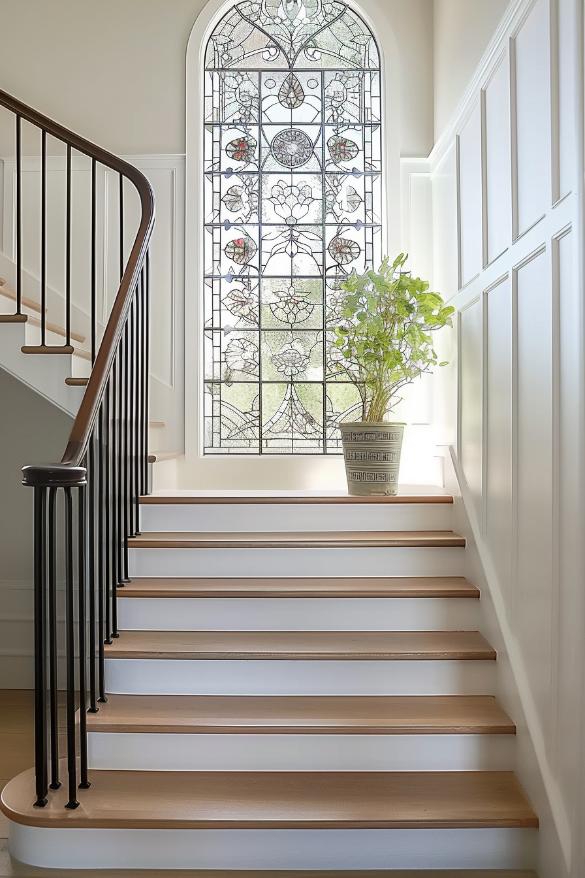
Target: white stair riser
[184,752]
[298,562]
[298,614]
[274,849]
[259,517]
[267,677]
[80,367]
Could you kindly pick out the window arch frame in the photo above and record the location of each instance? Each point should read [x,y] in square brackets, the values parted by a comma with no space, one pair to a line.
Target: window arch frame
[207,20]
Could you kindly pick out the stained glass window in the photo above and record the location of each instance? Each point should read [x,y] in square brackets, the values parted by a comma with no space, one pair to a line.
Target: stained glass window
[292,203]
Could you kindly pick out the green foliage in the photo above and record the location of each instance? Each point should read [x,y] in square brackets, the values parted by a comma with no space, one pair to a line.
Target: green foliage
[384,339]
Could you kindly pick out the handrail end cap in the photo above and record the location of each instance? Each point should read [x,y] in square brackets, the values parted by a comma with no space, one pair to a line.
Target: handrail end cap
[54,475]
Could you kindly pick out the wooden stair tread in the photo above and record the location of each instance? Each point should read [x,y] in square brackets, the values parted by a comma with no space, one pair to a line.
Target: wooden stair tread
[158,456]
[300,540]
[304,714]
[307,586]
[285,499]
[279,800]
[13,318]
[302,645]
[47,349]
[33,872]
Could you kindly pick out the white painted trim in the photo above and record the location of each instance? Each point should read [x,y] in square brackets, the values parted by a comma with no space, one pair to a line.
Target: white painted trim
[205,21]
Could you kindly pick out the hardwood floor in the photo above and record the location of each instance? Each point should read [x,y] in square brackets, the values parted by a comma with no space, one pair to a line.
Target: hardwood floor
[16,740]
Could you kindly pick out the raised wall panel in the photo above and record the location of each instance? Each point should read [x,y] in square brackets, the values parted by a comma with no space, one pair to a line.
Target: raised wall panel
[532,122]
[498,431]
[420,240]
[534,484]
[470,414]
[566,50]
[569,587]
[445,248]
[470,218]
[498,209]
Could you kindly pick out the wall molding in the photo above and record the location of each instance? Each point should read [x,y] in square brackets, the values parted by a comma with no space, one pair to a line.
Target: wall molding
[526,519]
[510,22]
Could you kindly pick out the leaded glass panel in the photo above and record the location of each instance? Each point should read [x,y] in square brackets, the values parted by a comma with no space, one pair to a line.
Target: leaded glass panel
[292,204]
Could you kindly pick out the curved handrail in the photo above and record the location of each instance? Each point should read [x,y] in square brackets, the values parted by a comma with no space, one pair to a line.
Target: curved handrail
[70,471]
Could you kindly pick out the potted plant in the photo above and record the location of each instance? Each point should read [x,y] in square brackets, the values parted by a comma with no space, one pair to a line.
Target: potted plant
[384,342]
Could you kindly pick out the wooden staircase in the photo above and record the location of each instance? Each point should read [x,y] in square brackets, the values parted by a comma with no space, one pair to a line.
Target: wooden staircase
[313,696]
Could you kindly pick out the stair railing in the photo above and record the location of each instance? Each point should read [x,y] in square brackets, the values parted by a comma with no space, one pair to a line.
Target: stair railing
[86,506]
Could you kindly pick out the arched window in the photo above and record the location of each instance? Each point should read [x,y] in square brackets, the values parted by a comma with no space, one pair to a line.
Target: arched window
[292,204]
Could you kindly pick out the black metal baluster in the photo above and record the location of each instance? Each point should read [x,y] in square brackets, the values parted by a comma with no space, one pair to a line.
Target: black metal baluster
[101,492]
[114,499]
[126,448]
[43,236]
[131,433]
[81,584]
[107,507]
[53,659]
[139,351]
[120,482]
[147,368]
[70,651]
[40,625]
[68,252]
[137,374]
[144,386]
[93,260]
[91,475]
[18,215]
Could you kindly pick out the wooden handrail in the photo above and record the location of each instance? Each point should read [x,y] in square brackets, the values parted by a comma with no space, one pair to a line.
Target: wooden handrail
[71,472]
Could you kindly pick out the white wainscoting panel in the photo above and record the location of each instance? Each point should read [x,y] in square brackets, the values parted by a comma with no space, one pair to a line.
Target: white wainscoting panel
[444,215]
[470,403]
[520,420]
[470,197]
[497,191]
[564,98]
[533,465]
[532,165]
[567,577]
[498,426]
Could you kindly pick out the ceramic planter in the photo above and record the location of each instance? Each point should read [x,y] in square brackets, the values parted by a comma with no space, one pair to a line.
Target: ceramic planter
[372,456]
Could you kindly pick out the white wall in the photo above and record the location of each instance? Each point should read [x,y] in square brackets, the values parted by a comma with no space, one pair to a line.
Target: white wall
[462,31]
[508,243]
[37,435]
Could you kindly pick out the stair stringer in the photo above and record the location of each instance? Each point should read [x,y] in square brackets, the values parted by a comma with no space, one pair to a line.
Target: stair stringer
[556,844]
